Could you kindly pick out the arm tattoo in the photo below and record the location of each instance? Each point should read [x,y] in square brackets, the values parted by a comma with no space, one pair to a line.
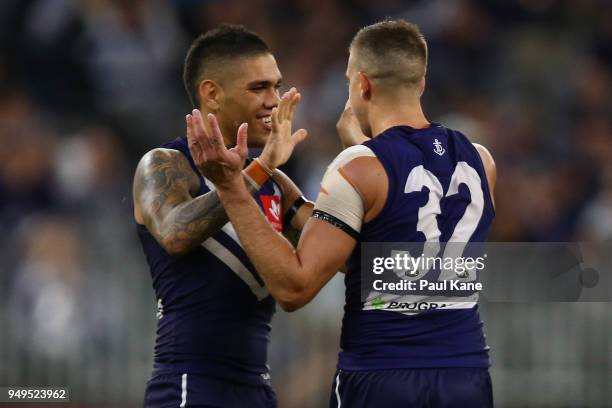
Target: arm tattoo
[163,190]
[193,222]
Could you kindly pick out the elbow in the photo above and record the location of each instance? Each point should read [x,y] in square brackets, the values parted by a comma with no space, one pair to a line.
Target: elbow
[174,247]
[292,301]
[289,306]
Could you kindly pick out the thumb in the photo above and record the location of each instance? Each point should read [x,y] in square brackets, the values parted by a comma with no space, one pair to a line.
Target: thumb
[241,140]
[299,135]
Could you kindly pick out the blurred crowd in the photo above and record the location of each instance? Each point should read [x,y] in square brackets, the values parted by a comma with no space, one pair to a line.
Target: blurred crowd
[88,86]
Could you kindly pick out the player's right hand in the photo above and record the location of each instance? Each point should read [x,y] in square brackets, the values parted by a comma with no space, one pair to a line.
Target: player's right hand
[218,164]
[348,128]
[281,142]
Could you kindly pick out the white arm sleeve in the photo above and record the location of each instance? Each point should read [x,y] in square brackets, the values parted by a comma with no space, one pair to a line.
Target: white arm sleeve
[338,201]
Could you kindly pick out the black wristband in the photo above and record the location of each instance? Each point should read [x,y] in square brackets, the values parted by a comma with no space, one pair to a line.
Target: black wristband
[300,201]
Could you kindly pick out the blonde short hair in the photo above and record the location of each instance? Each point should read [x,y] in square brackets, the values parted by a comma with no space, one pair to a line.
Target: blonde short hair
[393,51]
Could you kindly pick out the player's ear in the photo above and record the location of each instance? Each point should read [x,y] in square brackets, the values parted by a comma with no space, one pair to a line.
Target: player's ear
[422,86]
[211,95]
[365,86]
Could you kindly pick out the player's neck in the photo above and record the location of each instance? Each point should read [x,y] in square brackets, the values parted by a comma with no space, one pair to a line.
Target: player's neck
[384,117]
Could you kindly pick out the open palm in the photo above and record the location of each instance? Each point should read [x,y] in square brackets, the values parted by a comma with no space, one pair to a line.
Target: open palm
[217,163]
[280,144]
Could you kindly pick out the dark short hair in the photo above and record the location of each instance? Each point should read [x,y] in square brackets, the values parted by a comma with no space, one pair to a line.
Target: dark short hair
[394,49]
[228,41]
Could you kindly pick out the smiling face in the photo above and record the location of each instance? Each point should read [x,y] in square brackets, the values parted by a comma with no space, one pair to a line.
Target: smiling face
[250,92]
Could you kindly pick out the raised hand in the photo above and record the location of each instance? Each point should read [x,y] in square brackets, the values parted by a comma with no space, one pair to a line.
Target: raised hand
[348,128]
[218,164]
[281,142]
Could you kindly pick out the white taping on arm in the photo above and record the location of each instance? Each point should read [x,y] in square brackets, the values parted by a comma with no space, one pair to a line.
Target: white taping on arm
[338,197]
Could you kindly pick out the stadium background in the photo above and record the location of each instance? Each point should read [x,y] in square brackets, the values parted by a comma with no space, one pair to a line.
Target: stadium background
[87,86]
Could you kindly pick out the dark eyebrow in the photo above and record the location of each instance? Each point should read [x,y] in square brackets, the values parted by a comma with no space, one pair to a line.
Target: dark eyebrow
[264,84]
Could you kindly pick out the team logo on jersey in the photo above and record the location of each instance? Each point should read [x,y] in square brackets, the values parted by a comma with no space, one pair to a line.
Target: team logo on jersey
[438,149]
[272,209]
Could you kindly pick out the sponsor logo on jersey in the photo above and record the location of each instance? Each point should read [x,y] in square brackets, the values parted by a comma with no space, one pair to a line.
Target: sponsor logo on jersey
[380,304]
[414,305]
[273,210]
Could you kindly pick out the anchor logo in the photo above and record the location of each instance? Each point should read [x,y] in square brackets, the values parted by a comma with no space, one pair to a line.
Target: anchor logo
[438,149]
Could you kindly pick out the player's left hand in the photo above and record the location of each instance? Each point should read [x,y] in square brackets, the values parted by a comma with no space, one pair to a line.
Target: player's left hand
[348,128]
[218,164]
[281,142]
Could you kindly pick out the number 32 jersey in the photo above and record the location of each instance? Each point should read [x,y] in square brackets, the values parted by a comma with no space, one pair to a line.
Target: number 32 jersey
[438,192]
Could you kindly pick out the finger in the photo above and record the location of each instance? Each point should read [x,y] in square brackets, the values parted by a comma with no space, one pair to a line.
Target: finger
[199,130]
[192,143]
[281,107]
[189,123]
[291,103]
[201,136]
[274,117]
[284,104]
[241,141]
[294,102]
[216,138]
[195,146]
[191,131]
[299,136]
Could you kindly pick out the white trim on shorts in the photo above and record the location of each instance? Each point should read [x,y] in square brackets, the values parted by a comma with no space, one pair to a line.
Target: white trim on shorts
[183,390]
[338,390]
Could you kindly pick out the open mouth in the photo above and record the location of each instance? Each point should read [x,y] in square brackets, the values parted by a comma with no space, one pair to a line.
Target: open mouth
[266,121]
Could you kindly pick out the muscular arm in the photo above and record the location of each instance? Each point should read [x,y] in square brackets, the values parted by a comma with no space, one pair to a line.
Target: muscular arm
[489,166]
[163,191]
[295,276]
